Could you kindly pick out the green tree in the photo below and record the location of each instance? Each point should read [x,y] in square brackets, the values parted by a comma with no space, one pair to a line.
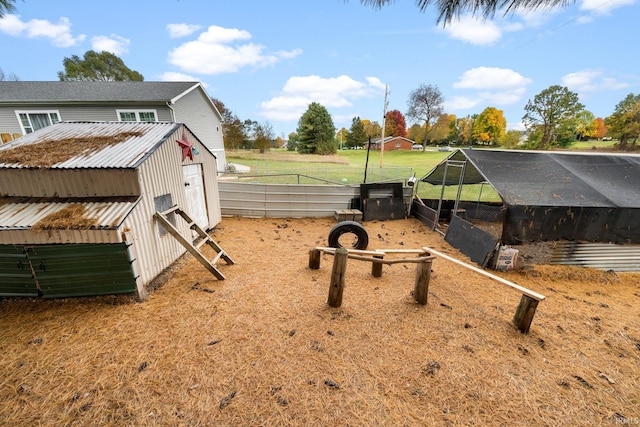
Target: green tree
[552,113]
[450,9]
[7,6]
[585,125]
[316,131]
[489,126]
[292,142]
[232,127]
[356,136]
[510,139]
[425,105]
[94,66]
[395,125]
[624,123]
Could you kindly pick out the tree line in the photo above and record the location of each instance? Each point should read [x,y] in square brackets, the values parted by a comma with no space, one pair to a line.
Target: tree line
[553,118]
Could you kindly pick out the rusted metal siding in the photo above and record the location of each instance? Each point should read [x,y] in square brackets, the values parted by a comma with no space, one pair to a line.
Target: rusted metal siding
[200,115]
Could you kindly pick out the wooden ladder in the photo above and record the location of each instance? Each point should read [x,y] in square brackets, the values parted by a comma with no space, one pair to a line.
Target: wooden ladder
[161,217]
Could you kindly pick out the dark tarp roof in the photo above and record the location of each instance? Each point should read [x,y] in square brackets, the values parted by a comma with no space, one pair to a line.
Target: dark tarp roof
[549,178]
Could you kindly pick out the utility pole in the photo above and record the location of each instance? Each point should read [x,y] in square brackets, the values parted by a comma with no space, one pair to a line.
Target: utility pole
[384,118]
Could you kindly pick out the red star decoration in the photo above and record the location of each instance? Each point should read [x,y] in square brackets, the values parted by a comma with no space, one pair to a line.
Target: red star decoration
[186,145]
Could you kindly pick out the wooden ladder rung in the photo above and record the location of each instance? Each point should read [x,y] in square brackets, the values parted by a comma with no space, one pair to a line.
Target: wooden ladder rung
[217,257]
[201,243]
[170,210]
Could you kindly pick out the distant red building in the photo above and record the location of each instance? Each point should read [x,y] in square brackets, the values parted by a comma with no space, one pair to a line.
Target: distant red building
[393,143]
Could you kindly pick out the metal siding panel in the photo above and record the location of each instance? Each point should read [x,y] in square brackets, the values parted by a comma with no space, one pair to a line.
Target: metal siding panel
[15,273]
[82,270]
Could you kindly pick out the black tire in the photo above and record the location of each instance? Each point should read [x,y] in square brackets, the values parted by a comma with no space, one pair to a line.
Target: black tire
[352,227]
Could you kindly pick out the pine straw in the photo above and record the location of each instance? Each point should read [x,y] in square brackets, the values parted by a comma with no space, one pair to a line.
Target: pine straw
[50,152]
[263,347]
[68,218]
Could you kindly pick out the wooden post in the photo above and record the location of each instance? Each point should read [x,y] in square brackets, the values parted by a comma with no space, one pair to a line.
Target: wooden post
[337,277]
[524,313]
[376,267]
[314,259]
[421,289]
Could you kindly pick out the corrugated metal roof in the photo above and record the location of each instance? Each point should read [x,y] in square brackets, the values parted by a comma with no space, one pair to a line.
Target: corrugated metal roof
[108,214]
[59,92]
[126,154]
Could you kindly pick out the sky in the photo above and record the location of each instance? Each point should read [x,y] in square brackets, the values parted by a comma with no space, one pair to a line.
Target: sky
[268,60]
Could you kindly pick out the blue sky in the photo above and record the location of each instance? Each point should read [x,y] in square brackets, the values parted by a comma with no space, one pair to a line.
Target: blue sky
[267,60]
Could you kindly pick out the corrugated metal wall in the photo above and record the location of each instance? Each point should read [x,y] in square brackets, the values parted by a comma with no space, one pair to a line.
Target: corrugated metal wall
[282,201]
[162,174]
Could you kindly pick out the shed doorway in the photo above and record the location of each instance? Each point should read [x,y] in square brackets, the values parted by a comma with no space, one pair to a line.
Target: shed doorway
[194,191]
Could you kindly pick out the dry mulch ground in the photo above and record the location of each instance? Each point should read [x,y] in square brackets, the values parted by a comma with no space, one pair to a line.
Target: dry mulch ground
[264,348]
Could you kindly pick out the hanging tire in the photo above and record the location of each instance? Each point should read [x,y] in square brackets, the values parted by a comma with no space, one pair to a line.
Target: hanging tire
[349,227]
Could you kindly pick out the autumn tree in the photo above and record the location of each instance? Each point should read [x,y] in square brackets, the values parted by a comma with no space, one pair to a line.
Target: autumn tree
[232,127]
[395,124]
[425,105]
[341,136]
[443,131]
[97,66]
[624,123]
[416,133]
[465,129]
[263,136]
[489,126]
[316,131]
[549,116]
[601,128]
[356,136]
[371,129]
[585,125]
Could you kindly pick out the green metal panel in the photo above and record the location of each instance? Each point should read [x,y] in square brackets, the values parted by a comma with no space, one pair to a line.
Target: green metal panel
[66,270]
[15,273]
[82,270]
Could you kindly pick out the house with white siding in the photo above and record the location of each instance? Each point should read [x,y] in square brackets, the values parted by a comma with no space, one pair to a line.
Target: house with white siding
[26,106]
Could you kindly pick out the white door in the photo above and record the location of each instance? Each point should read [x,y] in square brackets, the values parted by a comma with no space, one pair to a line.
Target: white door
[194,190]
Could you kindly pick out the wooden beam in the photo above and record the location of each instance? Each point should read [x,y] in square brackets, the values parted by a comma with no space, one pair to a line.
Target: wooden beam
[336,287]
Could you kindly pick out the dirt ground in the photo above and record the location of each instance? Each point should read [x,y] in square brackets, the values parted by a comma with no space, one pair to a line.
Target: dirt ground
[263,347]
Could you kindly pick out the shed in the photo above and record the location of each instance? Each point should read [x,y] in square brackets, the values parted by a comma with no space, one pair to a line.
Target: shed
[78,203]
[555,195]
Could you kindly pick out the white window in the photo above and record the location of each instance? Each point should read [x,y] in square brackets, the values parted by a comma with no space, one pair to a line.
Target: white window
[137,115]
[33,120]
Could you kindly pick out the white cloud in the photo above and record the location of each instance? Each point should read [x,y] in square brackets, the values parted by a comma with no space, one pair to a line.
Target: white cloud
[491,78]
[591,81]
[114,44]
[334,92]
[219,50]
[59,33]
[473,30]
[170,76]
[182,30]
[599,7]
[493,86]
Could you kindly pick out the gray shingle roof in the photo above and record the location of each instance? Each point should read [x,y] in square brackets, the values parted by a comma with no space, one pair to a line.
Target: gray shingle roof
[39,91]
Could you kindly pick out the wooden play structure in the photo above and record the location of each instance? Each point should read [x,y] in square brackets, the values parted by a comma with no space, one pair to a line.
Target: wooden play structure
[524,313]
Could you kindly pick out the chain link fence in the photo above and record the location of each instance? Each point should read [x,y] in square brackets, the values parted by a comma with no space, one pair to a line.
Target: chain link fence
[319,174]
